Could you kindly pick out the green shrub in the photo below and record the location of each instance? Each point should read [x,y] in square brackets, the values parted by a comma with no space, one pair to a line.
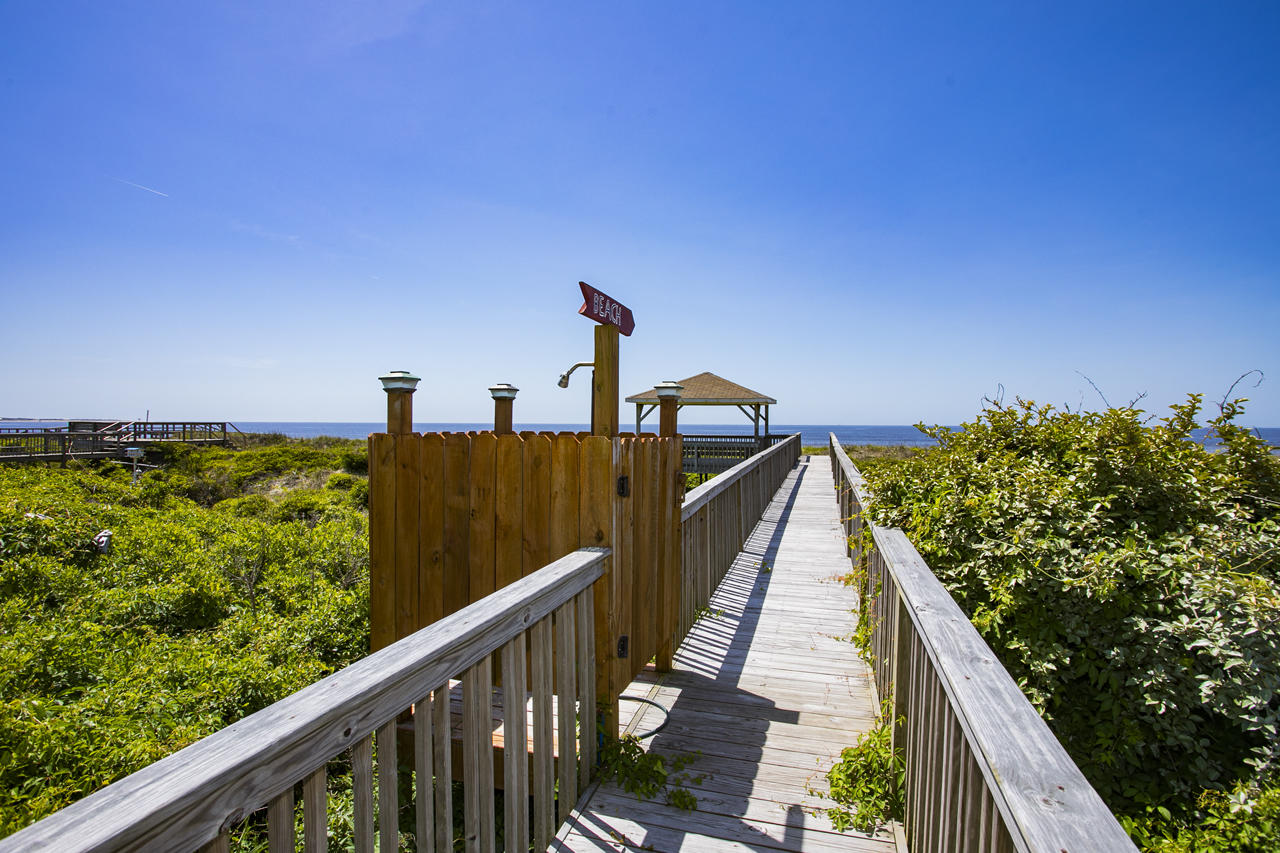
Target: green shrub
[194,618]
[1126,577]
[340,481]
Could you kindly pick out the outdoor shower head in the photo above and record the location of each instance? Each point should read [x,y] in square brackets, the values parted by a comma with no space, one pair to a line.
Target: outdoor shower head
[564,377]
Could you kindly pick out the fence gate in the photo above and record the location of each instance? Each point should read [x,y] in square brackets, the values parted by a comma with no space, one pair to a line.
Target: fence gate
[456,516]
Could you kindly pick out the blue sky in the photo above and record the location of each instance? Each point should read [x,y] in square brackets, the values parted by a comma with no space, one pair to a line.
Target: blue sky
[876,213]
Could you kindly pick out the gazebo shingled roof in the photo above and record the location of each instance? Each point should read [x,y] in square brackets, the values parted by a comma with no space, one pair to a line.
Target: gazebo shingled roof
[708,389]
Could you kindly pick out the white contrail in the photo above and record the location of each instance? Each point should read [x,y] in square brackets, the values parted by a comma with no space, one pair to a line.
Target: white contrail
[141,187]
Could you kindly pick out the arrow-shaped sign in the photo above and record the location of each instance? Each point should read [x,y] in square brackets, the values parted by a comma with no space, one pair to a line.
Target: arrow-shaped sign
[604,309]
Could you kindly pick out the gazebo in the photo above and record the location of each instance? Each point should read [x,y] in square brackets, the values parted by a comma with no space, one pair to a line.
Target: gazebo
[708,389]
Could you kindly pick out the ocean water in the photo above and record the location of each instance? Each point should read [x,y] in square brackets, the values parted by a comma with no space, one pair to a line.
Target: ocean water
[810,434]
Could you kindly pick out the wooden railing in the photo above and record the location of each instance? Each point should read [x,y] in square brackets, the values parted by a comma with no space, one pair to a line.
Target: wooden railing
[714,454]
[983,770]
[89,440]
[192,798]
[716,519]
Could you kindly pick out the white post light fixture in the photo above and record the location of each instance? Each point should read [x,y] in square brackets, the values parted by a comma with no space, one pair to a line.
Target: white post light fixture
[504,396]
[399,385]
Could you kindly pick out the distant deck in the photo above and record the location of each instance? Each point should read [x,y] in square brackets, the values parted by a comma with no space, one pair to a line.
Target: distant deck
[87,440]
[764,692]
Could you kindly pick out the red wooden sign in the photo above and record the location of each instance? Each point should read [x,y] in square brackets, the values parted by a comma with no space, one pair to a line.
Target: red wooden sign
[604,309]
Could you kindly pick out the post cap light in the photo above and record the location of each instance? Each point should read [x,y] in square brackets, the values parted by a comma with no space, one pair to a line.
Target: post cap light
[399,380]
[669,389]
[503,391]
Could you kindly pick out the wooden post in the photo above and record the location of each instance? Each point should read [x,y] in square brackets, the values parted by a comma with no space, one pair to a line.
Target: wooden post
[504,396]
[669,529]
[386,585]
[669,403]
[399,385]
[604,383]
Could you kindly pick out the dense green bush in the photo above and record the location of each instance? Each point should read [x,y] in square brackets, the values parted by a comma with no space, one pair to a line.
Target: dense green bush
[194,618]
[1128,578]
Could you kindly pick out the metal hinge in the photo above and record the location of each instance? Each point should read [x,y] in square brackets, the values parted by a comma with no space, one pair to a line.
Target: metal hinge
[624,486]
[622,647]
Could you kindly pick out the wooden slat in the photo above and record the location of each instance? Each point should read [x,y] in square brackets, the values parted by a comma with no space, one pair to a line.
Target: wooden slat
[443,755]
[536,529]
[362,791]
[565,452]
[408,474]
[585,641]
[509,511]
[515,747]
[481,544]
[635,578]
[280,823]
[457,521]
[624,565]
[315,820]
[382,540]
[423,788]
[543,759]
[566,696]
[669,527]
[431,530]
[388,826]
[597,522]
[477,761]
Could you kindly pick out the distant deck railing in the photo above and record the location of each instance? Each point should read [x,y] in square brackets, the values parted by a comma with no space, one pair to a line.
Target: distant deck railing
[89,440]
[983,770]
[718,516]
[715,454]
[192,798]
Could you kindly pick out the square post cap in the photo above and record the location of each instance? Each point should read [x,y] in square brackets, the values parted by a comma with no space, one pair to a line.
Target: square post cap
[399,380]
[669,389]
[503,391]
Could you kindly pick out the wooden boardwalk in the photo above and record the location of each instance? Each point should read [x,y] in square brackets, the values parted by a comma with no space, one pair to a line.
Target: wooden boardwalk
[764,695]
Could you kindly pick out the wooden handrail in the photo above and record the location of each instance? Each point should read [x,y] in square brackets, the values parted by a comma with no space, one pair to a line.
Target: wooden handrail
[983,770]
[192,797]
[716,519]
[697,498]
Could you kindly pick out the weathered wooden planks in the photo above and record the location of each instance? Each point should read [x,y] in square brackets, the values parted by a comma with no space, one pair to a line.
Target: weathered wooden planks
[745,703]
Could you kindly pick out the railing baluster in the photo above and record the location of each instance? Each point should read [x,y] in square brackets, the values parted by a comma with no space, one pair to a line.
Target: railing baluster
[566,698]
[443,746]
[477,752]
[543,757]
[362,791]
[515,752]
[280,823]
[315,820]
[423,794]
[388,811]
[586,686]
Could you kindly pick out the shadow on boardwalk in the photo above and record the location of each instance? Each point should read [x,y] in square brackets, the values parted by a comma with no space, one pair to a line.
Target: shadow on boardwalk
[763,696]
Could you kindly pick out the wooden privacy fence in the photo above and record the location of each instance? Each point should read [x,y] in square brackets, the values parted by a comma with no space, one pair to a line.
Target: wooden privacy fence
[983,770]
[192,799]
[455,516]
[718,516]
